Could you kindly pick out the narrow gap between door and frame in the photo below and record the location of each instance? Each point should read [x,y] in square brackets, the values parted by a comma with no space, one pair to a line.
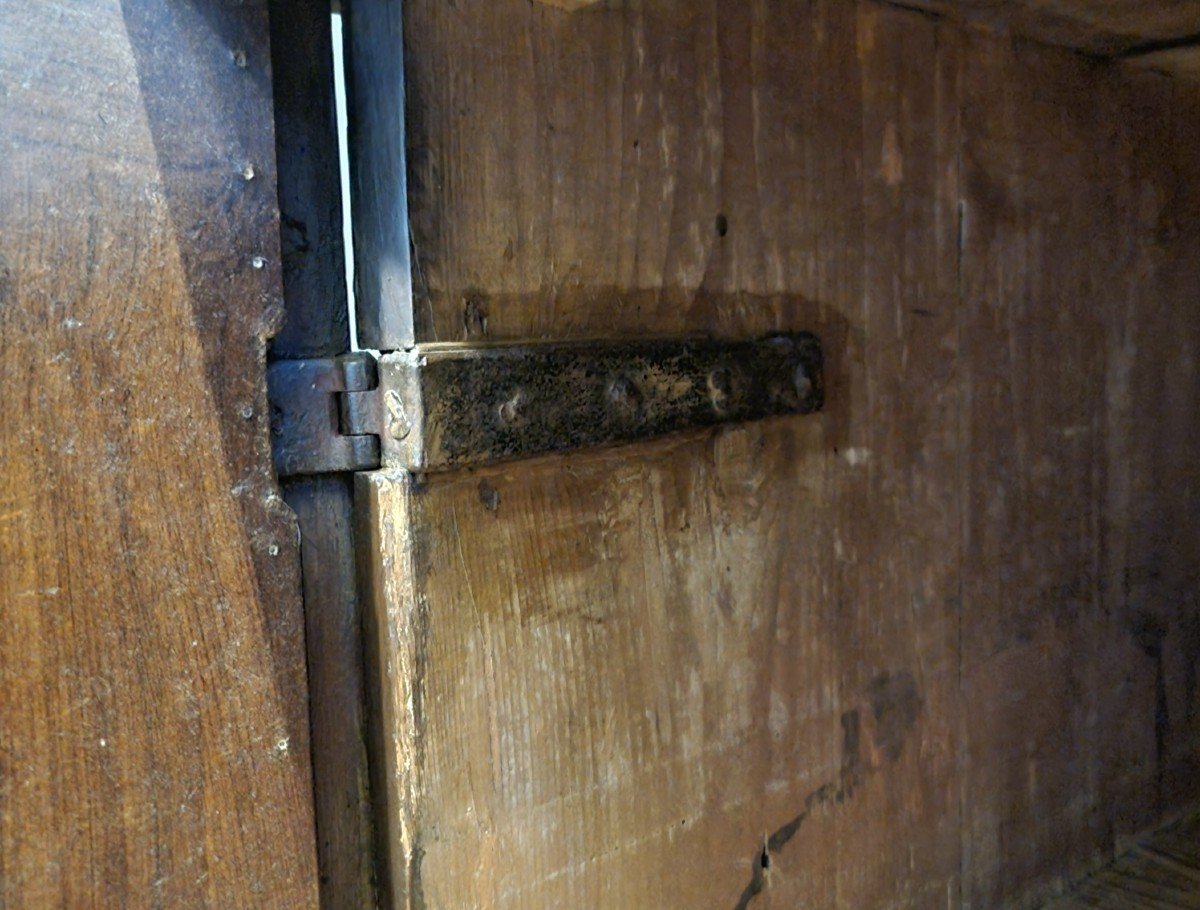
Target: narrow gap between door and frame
[343,144]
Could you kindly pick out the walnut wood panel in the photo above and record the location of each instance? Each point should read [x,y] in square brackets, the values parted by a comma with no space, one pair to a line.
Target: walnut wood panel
[154,748]
[933,647]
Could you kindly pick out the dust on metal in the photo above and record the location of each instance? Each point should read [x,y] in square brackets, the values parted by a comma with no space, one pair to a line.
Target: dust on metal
[440,407]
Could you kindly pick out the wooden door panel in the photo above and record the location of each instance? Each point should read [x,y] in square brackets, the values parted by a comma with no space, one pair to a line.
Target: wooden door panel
[645,668]
[670,167]
[617,681]
[154,748]
[929,647]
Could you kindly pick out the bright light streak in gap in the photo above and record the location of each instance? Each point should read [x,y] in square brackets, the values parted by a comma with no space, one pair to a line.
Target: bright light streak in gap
[339,94]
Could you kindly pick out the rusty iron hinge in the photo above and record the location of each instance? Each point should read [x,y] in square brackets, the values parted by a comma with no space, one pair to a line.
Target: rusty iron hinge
[316,424]
[443,406]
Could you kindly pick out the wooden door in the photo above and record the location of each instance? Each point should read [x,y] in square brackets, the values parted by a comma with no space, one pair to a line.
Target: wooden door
[928,649]
[153,721]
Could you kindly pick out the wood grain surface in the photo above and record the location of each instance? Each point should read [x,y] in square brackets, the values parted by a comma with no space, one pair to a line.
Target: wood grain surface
[931,648]
[337,699]
[375,93]
[1183,61]
[1080,631]
[1104,27]
[154,747]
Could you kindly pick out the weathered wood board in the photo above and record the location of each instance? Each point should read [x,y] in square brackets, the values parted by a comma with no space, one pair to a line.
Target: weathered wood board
[1079,634]
[931,648]
[337,701]
[620,688]
[153,724]
[670,167]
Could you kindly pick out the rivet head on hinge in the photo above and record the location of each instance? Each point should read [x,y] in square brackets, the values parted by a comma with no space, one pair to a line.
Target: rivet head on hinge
[510,409]
[476,404]
[624,398]
[802,382]
[399,425]
[720,389]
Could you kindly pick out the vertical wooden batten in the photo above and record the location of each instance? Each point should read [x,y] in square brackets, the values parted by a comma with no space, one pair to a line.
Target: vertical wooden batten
[316,322]
[337,705]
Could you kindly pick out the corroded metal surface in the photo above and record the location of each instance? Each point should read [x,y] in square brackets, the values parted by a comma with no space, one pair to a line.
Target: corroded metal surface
[308,434]
[439,407]
[448,406]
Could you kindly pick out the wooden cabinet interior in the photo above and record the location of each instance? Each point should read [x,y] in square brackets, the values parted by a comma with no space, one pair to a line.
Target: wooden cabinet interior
[936,647]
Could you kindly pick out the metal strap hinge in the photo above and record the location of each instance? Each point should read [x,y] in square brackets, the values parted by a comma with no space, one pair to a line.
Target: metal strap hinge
[444,406]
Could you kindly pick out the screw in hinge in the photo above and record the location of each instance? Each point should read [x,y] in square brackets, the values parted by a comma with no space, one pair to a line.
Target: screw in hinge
[720,389]
[624,397]
[803,383]
[396,418]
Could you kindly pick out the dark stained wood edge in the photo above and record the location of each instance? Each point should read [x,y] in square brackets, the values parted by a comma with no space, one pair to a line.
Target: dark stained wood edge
[323,507]
[378,178]
[1096,29]
[1182,61]
[310,197]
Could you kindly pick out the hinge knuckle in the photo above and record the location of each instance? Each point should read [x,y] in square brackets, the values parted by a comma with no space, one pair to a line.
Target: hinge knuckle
[359,371]
[359,413]
[319,415]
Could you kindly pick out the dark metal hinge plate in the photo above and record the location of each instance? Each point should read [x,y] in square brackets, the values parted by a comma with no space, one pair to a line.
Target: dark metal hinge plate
[311,431]
[444,406]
